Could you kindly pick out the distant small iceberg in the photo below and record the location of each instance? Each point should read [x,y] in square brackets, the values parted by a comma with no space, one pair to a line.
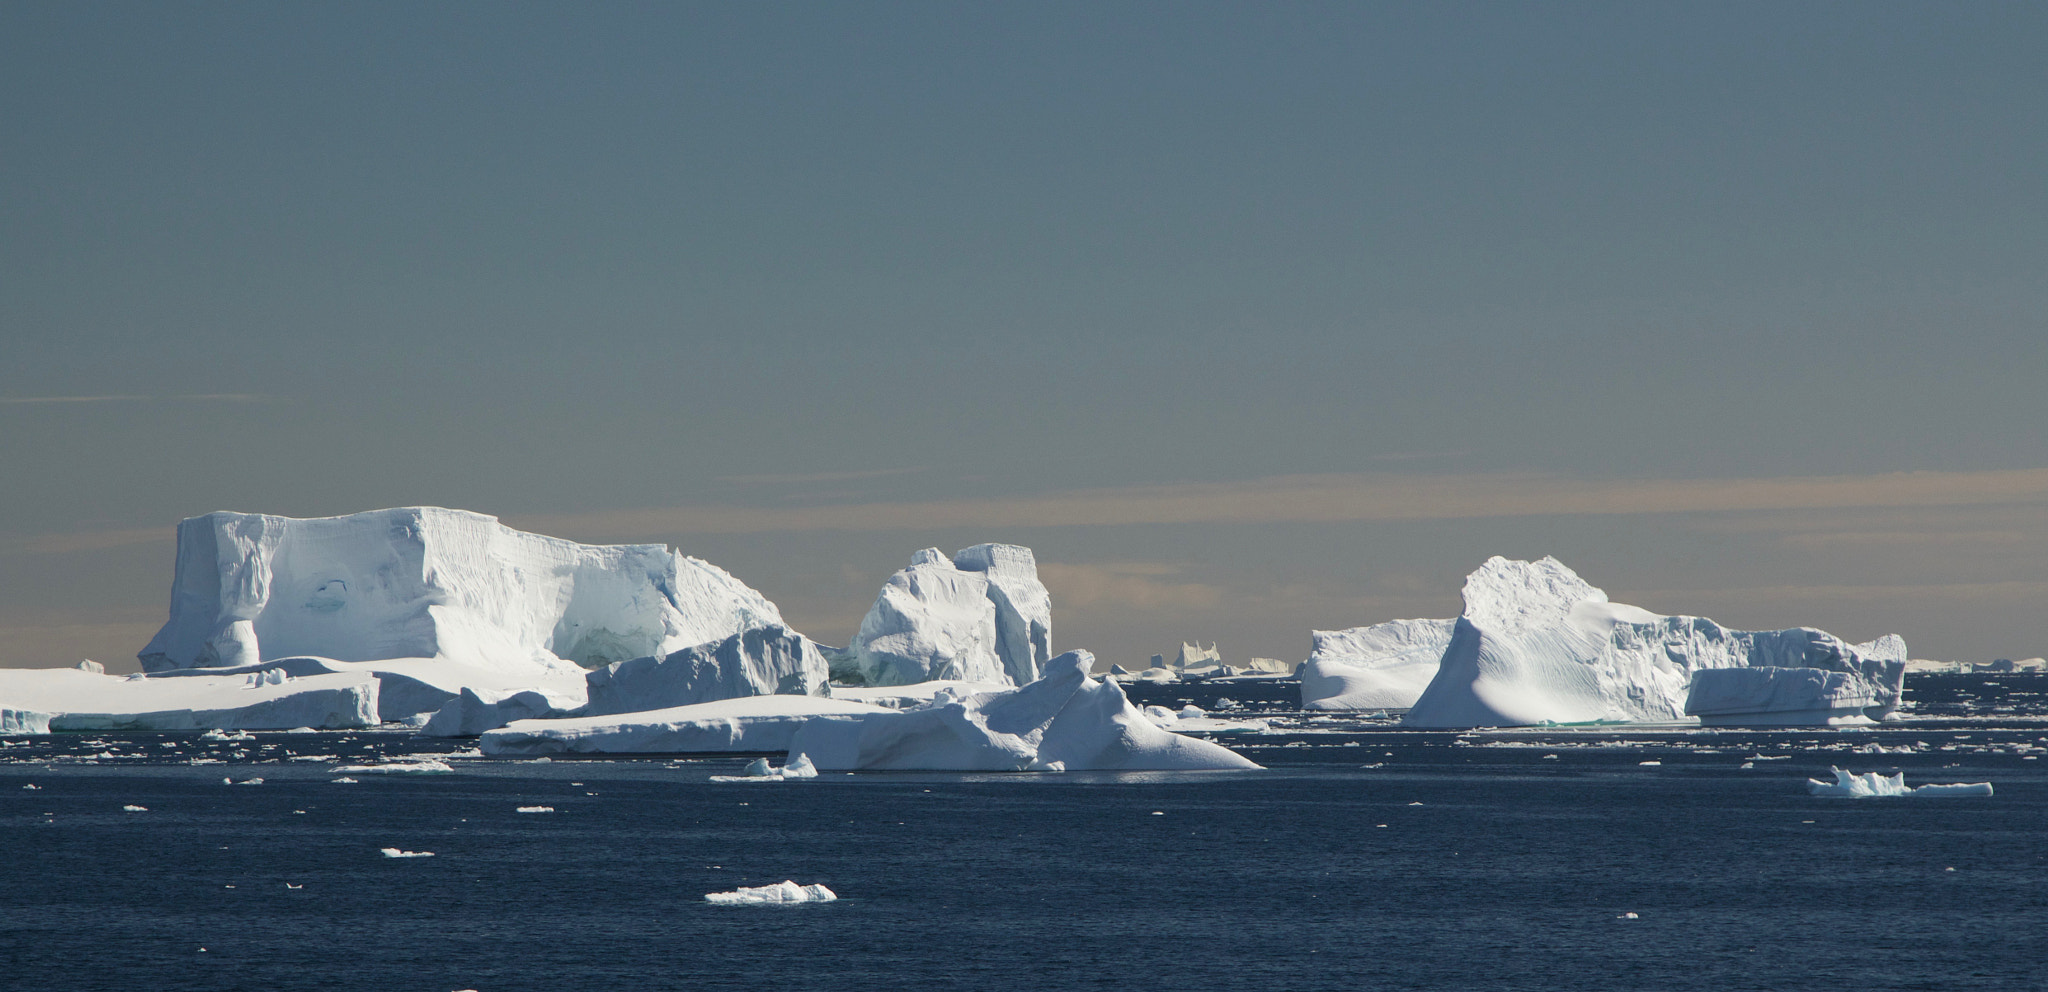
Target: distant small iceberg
[1871,785]
[781,893]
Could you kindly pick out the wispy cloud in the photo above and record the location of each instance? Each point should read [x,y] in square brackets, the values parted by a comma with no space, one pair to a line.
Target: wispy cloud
[814,477]
[123,398]
[1328,499]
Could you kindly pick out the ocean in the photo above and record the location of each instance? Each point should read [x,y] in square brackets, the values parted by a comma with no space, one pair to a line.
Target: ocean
[1364,857]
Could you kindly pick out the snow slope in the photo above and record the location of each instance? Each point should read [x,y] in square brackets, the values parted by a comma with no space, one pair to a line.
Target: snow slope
[1384,666]
[980,616]
[1537,644]
[1063,721]
[42,700]
[427,582]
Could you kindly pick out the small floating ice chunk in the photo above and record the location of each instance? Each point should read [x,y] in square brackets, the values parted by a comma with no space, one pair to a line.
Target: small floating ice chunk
[535,809]
[1628,916]
[136,809]
[757,768]
[344,780]
[1849,785]
[393,852]
[31,786]
[766,895]
[419,767]
[800,766]
[1649,764]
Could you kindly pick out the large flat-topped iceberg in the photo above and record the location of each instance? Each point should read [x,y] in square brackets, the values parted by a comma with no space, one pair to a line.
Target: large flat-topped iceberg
[427,582]
[1384,666]
[39,701]
[980,616]
[1064,721]
[1537,644]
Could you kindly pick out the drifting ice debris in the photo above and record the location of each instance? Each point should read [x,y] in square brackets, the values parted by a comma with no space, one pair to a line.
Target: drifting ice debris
[535,809]
[392,852]
[1849,785]
[135,809]
[757,770]
[981,616]
[765,895]
[1537,644]
[419,767]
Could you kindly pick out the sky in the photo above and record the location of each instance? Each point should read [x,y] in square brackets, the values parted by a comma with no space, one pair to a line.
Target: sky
[1251,319]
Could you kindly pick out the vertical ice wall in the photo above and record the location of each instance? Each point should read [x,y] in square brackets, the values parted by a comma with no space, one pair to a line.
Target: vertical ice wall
[980,615]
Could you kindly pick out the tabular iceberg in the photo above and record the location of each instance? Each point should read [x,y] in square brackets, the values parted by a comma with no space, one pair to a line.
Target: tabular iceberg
[756,662]
[1063,721]
[1384,666]
[39,701]
[1537,644]
[981,615]
[427,582]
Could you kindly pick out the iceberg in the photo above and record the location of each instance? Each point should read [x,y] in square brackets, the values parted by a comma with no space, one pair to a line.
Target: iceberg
[782,893]
[1064,720]
[981,615]
[759,661]
[1384,666]
[1850,785]
[1537,644]
[745,725]
[44,700]
[472,712]
[434,583]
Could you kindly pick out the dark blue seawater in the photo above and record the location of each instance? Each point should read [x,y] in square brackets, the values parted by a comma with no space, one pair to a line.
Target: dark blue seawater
[1459,861]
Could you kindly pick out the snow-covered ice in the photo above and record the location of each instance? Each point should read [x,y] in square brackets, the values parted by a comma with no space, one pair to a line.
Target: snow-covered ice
[1868,785]
[1064,717]
[781,893]
[43,700]
[759,661]
[750,723]
[1384,666]
[980,615]
[1537,644]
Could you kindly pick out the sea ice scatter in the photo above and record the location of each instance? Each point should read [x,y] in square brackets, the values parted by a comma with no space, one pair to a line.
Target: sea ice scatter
[392,852]
[782,893]
[536,809]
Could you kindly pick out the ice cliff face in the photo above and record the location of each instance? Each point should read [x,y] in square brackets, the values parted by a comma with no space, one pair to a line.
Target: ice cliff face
[426,582]
[981,615]
[1537,644]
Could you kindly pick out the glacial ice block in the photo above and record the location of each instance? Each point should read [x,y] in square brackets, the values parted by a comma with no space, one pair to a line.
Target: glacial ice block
[427,582]
[781,893]
[760,661]
[46,700]
[1065,719]
[1871,785]
[1537,644]
[747,724]
[981,616]
[1384,666]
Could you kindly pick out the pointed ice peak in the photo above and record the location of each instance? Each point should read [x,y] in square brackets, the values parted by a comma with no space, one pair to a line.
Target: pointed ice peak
[930,556]
[1516,595]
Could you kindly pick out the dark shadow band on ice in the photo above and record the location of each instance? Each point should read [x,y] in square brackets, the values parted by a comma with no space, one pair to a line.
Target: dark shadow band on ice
[451,624]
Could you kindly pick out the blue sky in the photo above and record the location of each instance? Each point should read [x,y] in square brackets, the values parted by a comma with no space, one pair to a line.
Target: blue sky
[1673,292]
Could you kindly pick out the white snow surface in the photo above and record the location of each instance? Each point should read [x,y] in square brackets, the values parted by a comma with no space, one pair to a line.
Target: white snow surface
[781,893]
[981,616]
[1065,720]
[759,661]
[898,697]
[1537,644]
[750,723]
[428,582]
[42,700]
[1869,785]
[1384,666]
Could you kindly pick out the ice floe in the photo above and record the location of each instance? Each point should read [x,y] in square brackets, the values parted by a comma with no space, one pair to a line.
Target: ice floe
[393,852]
[46,700]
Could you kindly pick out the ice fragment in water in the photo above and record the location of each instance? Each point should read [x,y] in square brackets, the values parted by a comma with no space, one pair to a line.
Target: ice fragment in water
[392,852]
[1849,785]
[765,895]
